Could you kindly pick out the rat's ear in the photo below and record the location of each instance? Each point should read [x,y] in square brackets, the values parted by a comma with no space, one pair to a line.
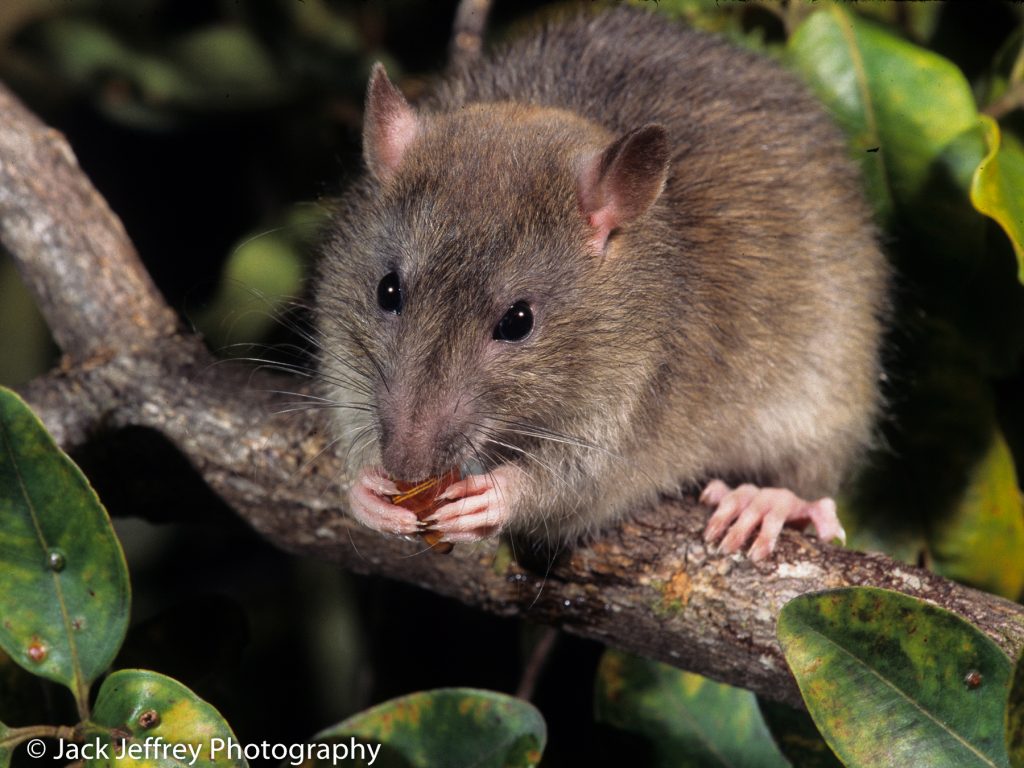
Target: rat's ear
[619,184]
[389,126]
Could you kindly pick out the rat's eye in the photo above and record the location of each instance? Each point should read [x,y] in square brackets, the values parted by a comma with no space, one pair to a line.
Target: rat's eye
[516,324]
[389,293]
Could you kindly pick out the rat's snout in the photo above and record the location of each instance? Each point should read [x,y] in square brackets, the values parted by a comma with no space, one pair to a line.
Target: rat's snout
[419,437]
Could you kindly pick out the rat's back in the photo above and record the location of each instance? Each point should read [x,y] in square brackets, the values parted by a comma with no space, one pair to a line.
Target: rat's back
[762,224]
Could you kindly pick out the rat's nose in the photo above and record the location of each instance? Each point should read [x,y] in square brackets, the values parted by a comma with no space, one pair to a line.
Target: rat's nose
[416,440]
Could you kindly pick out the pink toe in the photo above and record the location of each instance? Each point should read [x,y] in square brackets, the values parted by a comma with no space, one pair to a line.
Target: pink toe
[730,508]
[376,479]
[713,493]
[758,507]
[826,522]
[380,514]
[771,527]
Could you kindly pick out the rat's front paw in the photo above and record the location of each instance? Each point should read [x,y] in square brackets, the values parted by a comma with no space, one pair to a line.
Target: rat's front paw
[480,507]
[370,504]
[742,510]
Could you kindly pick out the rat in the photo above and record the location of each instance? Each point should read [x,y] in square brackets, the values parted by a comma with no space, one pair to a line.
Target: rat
[615,259]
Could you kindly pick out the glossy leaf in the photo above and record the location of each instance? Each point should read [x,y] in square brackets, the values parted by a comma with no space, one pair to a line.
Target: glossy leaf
[64,591]
[145,705]
[449,727]
[685,719]
[982,543]
[894,681]
[1015,716]
[909,114]
[798,738]
[997,189]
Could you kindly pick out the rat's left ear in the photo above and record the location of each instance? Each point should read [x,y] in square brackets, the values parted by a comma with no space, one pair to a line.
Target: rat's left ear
[389,126]
[619,184]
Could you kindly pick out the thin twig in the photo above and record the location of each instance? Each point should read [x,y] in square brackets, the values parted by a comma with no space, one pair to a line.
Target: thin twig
[1012,99]
[70,248]
[539,656]
[468,31]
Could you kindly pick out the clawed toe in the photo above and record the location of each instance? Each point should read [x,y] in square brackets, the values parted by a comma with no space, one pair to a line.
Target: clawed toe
[749,511]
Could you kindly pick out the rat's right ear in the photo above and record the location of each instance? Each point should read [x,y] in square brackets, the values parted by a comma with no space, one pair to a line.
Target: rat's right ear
[619,184]
[389,126]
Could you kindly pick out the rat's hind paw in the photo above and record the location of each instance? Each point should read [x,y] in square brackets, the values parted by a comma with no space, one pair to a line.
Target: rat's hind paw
[742,510]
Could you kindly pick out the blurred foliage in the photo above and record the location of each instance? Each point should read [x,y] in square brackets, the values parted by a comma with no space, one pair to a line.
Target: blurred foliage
[682,719]
[220,131]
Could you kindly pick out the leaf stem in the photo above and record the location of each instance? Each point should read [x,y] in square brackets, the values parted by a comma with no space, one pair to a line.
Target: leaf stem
[1012,99]
[16,736]
[1017,70]
[81,695]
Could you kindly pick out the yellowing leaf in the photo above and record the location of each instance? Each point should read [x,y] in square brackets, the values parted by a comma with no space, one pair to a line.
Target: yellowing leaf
[997,189]
[891,680]
[446,728]
[153,721]
[982,543]
[64,591]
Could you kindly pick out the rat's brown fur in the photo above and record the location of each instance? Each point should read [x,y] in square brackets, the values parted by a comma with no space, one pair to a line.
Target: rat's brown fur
[731,331]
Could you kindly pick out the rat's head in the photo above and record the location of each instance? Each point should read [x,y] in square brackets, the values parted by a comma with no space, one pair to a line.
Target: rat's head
[476,295]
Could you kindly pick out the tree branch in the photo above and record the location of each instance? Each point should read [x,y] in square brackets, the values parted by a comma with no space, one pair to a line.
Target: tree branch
[650,586]
[72,252]
[468,31]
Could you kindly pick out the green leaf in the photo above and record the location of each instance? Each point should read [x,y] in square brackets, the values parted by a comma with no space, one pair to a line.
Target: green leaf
[260,279]
[894,681]
[1015,716]
[449,727]
[64,591]
[909,114]
[982,543]
[797,736]
[686,720]
[261,275]
[229,67]
[918,20]
[148,708]
[997,189]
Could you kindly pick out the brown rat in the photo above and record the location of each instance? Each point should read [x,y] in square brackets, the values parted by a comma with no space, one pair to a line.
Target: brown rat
[615,259]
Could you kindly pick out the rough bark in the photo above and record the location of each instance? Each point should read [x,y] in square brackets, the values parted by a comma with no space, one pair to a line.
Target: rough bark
[650,586]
